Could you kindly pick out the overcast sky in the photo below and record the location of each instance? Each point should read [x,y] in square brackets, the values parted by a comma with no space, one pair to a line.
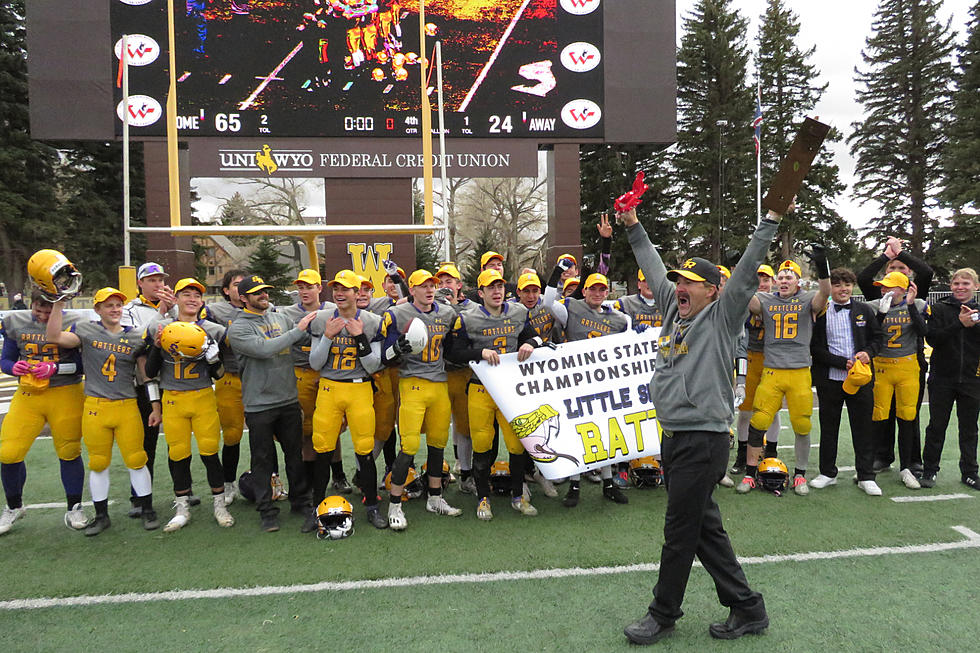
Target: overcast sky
[838,29]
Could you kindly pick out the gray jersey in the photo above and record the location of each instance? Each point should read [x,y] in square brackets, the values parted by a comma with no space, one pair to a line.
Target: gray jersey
[139,312]
[224,313]
[301,350]
[639,311]
[496,332]
[379,305]
[109,359]
[463,306]
[184,374]
[429,363]
[541,319]
[755,333]
[584,322]
[20,328]
[788,323]
[901,338]
[343,363]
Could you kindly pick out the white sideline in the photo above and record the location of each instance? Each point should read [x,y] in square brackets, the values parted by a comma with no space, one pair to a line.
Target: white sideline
[931,497]
[972,541]
[59,504]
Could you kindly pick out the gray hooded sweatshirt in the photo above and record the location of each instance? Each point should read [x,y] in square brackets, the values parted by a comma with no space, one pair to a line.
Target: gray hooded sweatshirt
[692,387]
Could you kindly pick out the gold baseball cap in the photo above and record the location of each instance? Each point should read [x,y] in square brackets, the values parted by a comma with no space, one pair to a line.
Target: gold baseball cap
[792,266]
[596,279]
[487,277]
[528,279]
[489,256]
[570,281]
[345,278]
[859,375]
[189,283]
[105,293]
[311,277]
[450,269]
[419,277]
[766,270]
[366,280]
[894,280]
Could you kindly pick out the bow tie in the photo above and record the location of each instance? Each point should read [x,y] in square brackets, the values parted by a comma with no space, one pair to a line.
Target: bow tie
[841,307]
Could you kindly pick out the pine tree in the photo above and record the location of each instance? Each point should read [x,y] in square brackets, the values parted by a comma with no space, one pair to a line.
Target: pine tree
[714,157]
[471,270]
[264,262]
[29,218]
[786,81]
[904,86]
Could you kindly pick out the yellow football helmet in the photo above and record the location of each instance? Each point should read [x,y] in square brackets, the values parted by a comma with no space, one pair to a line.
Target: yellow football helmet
[773,475]
[500,477]
[413,485]
[184,340]
[54,275]
[645,472]
[335,519]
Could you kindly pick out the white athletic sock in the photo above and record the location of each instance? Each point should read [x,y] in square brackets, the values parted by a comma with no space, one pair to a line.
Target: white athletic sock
[464,449]
[98,484]
[141,481]
[772,433]
[742,427]
[802,447]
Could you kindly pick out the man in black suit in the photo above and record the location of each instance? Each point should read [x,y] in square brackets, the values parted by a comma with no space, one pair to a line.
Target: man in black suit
[845,333]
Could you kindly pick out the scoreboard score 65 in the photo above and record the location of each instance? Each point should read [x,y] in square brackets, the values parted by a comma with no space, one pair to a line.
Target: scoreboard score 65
[510,68]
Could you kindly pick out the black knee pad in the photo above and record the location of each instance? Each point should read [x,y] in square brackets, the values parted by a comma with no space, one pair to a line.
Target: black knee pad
[399,471]
[756,437]
[433,462]
[181,472]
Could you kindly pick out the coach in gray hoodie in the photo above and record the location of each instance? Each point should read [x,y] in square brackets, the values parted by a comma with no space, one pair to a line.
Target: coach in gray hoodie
[693,393]
[261,341]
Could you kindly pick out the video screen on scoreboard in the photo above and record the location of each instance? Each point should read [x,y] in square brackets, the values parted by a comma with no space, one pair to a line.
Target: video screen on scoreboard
[304,68]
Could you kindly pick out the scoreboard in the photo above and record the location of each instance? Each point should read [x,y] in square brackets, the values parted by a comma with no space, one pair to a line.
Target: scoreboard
[354,68]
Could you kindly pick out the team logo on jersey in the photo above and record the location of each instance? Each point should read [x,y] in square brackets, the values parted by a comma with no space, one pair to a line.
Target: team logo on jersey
[143,110]
[581,114]
[580,57]
[141,50]
[579,7]
[536,430]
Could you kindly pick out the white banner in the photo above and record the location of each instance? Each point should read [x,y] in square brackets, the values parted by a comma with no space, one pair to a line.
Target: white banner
[581,406]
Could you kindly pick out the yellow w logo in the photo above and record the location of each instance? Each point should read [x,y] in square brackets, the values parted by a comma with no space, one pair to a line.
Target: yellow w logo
[366,260]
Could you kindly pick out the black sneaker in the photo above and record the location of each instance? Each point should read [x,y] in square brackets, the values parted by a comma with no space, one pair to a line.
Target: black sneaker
[99,524]
[270,523]
[971,481]
[310,523]
[376,519]
[928,479]
[150,521]
[571,499]
[342,486]
[614,494]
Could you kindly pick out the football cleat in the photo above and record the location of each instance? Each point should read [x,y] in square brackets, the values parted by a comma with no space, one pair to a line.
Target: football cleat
[221,514]
[270,523]
[182,515]
[99,524]
[375,518]
[726,481]
[396,517]
[571,498]
[483,510]
[8,517]
[928,479]
[76,519]
[799,485]
[870,488]
[546,486]
[231,493]
[150,521]
[523,506]
[614,494]
[909,479]
[342,486]
[746,486]
[467,486]
[440,506]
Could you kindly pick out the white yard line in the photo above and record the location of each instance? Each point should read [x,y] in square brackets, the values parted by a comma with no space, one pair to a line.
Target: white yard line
[493,57]
[972,541]
[930,497]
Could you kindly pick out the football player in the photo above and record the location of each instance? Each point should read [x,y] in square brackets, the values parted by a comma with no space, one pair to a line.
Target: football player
[754,338]
[49,390]
[309,285]
[787,316]
[346,351]
[386,380]
[583,319]
[109,354]
[641,308]
[896,367]
[228,389]
[422,390]
[184,353]
[457,376]
[484,333]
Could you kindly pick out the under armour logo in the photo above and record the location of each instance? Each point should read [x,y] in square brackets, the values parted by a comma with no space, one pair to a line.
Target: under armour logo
[415,387]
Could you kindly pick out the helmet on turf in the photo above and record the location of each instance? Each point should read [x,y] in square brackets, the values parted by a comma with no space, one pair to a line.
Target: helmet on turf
[413,485]
[500,477]
[54,275]
[184,340]
[246,485]
[773,475]
[447,475]
[335,519]
[645,472]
